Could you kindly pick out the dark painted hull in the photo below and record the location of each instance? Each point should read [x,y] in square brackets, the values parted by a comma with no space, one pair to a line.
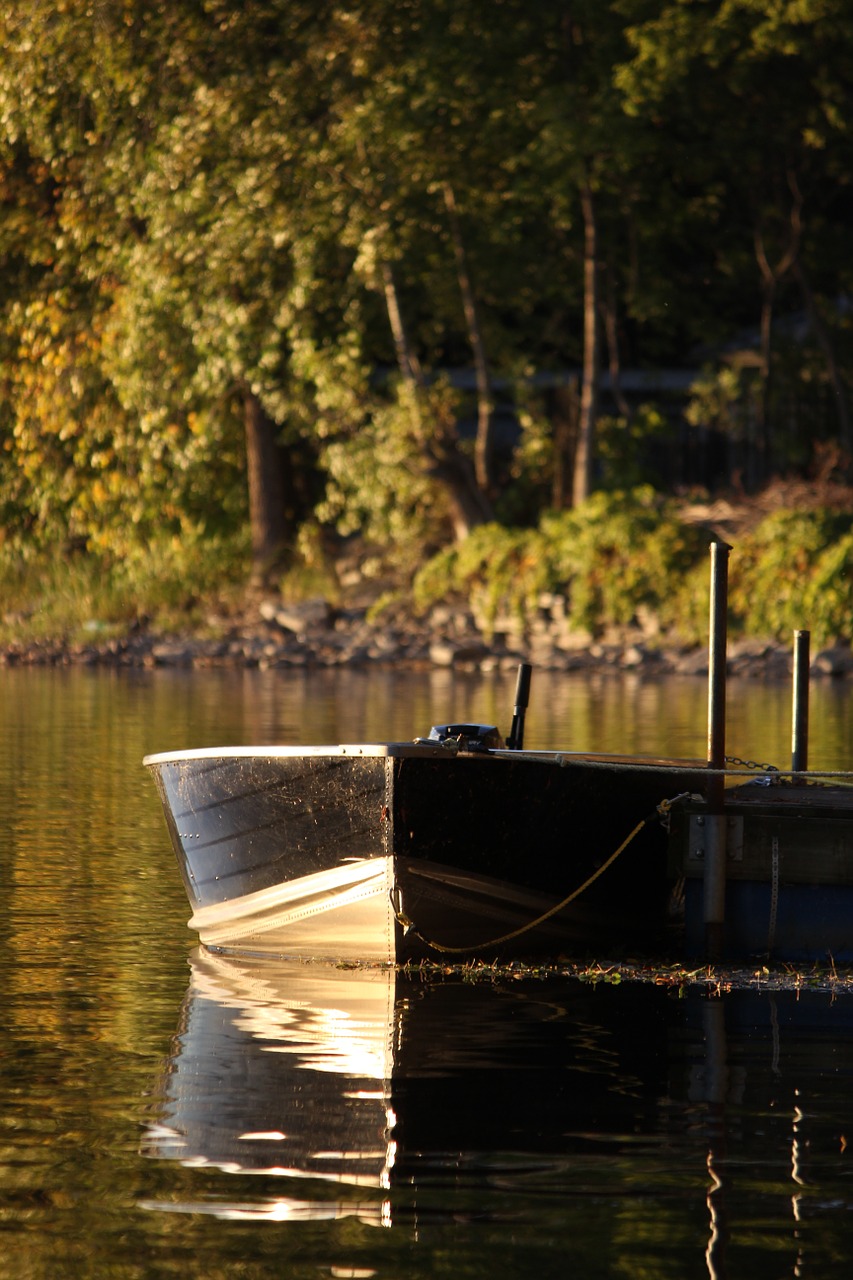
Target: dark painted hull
[394,852]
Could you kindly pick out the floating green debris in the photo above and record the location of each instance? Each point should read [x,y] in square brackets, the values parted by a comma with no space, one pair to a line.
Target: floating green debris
[712,979]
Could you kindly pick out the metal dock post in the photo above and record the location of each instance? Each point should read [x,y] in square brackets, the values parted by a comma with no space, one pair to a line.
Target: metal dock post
[714,886]
[800,709]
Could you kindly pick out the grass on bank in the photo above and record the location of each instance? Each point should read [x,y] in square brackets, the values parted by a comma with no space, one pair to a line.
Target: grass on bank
[80,598]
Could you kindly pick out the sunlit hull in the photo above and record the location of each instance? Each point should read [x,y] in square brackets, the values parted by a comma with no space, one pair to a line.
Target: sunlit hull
[389,853]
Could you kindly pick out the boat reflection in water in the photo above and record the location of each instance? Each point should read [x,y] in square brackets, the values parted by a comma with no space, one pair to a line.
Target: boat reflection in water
[701,1125]
[282,1069]
[359,1078]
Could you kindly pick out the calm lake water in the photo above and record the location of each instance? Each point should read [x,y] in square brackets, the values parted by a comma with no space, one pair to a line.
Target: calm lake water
[164,1112]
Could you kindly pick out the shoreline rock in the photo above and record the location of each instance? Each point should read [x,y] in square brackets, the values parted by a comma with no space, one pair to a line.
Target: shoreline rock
[315,634]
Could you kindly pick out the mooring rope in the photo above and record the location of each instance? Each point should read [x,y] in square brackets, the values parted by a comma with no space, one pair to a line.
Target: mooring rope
[660,811]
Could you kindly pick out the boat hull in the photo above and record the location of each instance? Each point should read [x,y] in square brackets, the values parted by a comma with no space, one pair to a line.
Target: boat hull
[395,852]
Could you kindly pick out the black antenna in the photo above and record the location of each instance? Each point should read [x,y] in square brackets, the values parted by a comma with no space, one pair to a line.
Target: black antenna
[522,697]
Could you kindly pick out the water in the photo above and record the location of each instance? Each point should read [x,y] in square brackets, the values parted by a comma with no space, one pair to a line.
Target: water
[166,1114]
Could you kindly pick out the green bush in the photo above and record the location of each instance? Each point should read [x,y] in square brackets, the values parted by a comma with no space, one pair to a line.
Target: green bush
[496,569]
[380,480]
[615,553]
[614,557]
[622,553]
[796,571]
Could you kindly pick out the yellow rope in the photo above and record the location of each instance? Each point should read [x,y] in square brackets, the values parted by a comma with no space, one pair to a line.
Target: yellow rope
[409,926]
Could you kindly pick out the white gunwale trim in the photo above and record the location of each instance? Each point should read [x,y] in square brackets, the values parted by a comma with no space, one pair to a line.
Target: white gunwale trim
[370,749]
[422,749]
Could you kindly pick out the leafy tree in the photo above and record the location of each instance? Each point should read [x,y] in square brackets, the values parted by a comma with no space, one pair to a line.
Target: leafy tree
[586,151]
[242,246]
[167,165]
[421,146]
[756,90]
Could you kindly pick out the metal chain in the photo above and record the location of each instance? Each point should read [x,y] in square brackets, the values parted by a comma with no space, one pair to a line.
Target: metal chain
[752,764]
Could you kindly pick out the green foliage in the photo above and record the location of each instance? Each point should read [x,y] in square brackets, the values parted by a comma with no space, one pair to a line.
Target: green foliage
[802,401]
[796,571]
[531,476]
[78,468]
[203,200]
[720,398]
[614,554]
[620,551]
[498,569]
[621,446]
[380,481]
[312,570]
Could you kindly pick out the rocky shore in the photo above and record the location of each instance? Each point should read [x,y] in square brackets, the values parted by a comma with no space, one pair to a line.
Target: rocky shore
[271,634]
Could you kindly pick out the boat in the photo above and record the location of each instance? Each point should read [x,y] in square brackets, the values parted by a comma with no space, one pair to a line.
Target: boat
[393,852]
[462,844]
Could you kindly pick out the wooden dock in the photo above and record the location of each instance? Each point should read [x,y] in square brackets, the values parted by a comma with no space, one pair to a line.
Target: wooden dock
[788,865]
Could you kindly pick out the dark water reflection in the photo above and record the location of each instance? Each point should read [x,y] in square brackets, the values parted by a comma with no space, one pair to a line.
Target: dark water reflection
[400,1128]
[517,1127]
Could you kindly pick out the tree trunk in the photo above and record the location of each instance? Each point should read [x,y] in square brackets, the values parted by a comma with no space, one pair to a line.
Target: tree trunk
[445,460]
[407,362]
[770,277]
[468,507]
[267,514]
[484,448]
[582,479]
[761,470]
